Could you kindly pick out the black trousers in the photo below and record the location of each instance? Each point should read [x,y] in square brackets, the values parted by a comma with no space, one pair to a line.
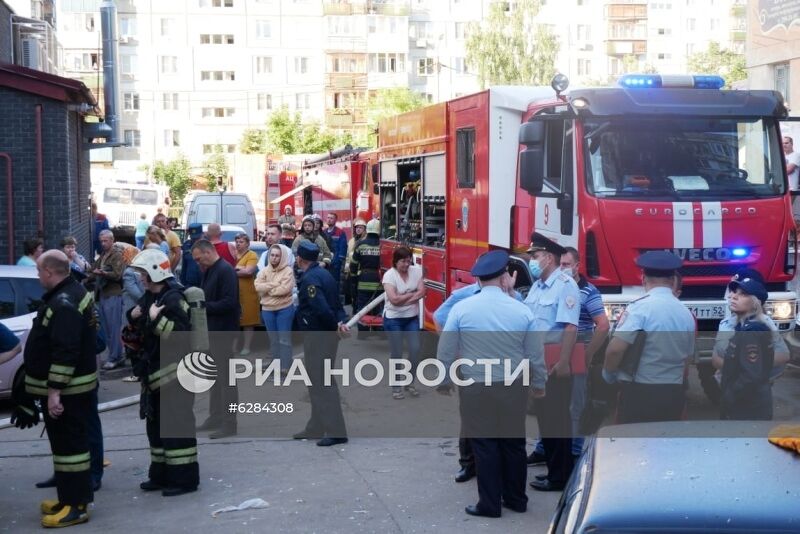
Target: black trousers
[222,395]
[500,462]
[173,460]
[555,427]
[326,418]
[466,458]
[69,441]
[646,403]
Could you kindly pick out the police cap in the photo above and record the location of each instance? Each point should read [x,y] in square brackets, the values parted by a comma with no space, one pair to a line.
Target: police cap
[751,286]
[194,230]
[490,264]
[308,251]
[659,263]
[747,273]
[540,242]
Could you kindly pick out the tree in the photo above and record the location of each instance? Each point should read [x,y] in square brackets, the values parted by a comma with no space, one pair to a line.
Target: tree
[716,60]
[388,102]
[215,169]
[176,175]
[254,141]
[289,134]
[510,48]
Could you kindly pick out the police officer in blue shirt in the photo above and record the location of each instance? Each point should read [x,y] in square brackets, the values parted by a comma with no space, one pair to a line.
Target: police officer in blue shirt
[319,316]
[492,324]
[555,300]
[652,387]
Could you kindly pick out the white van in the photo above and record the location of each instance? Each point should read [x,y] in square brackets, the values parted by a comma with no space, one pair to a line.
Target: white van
[222,208]
[124,202]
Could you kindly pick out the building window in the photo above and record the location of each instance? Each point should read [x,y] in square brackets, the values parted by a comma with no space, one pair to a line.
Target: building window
[130,101]
[263,101]
[425,66]
[216,3]
[340,25]
[386,63]
[133,138]
[216,38]
[127,27]
[168,64]
[782,79]
[82,61]
[172,138]
[584,32]
[169,101]
[217,75]
[421,30]
[691,24]
[168,27]
[302,101]
[428,97]
[690,47]
[301,65]
[461,30]
[263,29]
[460,65]
[129,64]
[209,149]
[263,65]
[713,24]
[218,113]
[584,67]
[346,64]
[663,55]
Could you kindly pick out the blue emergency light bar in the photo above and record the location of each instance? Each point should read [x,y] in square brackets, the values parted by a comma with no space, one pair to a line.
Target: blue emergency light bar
[664,81]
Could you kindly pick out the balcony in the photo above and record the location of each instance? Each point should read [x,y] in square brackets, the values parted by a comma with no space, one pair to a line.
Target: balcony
[397,9]
[338,80]
[344,8]
[738,35]
[345,118]
[626,11]
[626,48]
[345,43]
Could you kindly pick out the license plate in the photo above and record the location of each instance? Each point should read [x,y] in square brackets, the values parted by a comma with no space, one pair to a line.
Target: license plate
[710,311]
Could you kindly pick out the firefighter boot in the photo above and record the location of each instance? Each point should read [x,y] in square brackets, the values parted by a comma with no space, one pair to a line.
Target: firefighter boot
[50,506]
[67,516]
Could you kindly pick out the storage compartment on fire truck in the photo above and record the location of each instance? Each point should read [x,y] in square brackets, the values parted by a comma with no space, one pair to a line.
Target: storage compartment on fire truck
[433,201]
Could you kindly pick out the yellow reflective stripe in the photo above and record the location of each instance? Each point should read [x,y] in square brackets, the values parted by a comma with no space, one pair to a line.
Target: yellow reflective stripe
[78,380]
[71,459]
[48,314]
[157,455]
[53,377]
[85,302]
[163,381]
[34,390]
[26,410]
[182,461]
[164,370]
[72,468]
[180,452]
[80,384]
[35,381]
[62,369]
[164,327]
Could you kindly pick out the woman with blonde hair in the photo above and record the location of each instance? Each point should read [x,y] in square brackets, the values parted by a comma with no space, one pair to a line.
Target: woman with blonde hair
[275,284]
[156,236]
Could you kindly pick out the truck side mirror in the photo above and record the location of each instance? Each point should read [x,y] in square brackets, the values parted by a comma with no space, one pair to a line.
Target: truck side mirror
[531,160]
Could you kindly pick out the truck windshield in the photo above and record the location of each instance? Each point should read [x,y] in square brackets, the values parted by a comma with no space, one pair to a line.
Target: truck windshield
[116,195]
[678,158]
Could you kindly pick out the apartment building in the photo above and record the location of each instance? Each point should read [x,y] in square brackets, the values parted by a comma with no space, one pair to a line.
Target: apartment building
[772,60]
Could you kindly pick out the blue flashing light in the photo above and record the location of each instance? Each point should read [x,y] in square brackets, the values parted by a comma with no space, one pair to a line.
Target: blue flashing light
[658,81]
[740,252]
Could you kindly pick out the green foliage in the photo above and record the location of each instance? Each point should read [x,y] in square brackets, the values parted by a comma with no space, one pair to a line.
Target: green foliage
[716,60]
[386,103]
[510,48]
[215,169]
[288,133]
[254,141]
[176,175]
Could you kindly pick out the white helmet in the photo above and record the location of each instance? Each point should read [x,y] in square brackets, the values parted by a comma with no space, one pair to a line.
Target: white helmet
[153,262]
[374,227]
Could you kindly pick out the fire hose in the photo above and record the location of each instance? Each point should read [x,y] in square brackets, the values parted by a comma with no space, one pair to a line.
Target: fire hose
[366,309]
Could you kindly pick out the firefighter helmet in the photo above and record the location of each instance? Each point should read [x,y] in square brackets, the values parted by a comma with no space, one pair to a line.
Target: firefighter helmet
[154,263]
[374,227]
[359,222]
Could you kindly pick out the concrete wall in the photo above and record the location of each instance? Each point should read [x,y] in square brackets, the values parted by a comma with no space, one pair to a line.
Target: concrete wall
[65,170]
[5,33]
[773,40]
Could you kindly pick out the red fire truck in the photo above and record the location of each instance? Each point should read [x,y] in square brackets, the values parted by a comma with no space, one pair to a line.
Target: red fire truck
[660,162]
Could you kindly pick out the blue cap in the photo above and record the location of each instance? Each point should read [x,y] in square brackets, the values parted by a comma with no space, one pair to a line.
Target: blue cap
[751,286]
[194,230]
[490,264]
[659,263]
[747,273]
[308,250]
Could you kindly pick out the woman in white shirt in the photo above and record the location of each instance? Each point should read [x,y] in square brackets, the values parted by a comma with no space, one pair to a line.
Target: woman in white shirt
[404,288]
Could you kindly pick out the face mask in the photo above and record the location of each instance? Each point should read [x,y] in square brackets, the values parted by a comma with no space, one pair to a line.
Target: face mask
[535,268]
[568,271]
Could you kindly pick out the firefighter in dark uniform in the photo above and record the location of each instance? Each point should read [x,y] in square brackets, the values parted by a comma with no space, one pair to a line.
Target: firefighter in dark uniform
[319,316]
[60,369]
[366,265]
[161,311]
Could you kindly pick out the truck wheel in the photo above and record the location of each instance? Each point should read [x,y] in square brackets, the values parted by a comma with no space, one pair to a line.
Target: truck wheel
[705,372]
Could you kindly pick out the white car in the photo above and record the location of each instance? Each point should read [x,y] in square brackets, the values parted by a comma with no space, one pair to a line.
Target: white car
[20,297]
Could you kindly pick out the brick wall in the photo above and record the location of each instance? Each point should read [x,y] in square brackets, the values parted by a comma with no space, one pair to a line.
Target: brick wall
[65,169]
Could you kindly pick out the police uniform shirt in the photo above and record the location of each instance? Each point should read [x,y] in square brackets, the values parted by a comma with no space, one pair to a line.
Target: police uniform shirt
[555,303]
[670,331]
[505,330]
[442,312]
[727,328]
[319,305]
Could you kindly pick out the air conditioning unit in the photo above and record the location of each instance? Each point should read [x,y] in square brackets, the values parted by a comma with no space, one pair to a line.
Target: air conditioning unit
[31,53]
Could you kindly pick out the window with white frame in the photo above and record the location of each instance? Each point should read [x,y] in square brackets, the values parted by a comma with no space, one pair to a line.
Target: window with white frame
[172,138]
[421,30]
[133,138]
[664,55]
[461,30]
[85,61]
[428,97]
[460,65]
[301,65]
[691,24]
[584,67]
[127,27]
[387,63]
[302,101]
[168,26]
[217,75]
[713,24]
[263,29]
[263,101]
[346,64]
[781,76]
[342,25]
[263,65]
[584,32]
[217,38]
[218,113]
[168,64]
[130,101]
[228,148]
[169,101]
[425,66]
[216,3]
[129,64]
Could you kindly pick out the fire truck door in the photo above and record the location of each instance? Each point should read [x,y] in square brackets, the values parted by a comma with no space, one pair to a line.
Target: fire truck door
[556,212]
[468,166]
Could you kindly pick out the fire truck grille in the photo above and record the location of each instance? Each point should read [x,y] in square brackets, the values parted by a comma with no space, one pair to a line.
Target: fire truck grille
[710,270]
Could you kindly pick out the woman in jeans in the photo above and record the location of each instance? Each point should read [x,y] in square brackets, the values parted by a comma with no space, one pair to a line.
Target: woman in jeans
[404,288]
[275,285]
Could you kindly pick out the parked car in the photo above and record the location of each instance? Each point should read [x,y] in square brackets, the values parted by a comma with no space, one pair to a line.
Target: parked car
[20,297]
[223,208]
[690,477]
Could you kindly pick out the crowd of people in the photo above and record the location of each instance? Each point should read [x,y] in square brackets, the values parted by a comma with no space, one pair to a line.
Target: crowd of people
[300,283]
